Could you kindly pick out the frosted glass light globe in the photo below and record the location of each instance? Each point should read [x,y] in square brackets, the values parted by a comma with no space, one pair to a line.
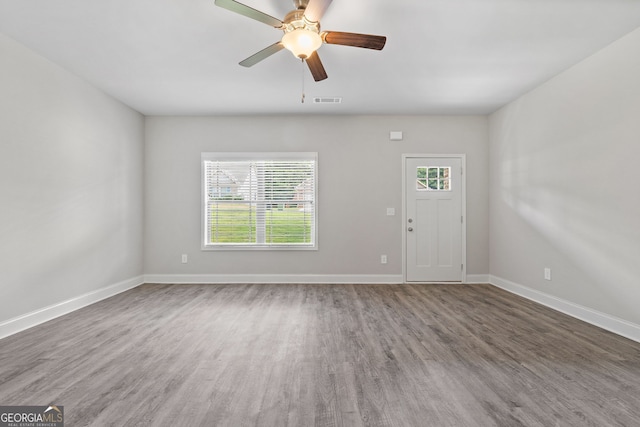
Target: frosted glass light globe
[302,43]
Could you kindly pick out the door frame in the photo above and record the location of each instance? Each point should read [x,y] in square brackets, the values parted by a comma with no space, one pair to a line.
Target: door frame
[463,189]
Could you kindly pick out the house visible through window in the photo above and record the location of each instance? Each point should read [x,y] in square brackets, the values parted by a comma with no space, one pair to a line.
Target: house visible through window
[259,200]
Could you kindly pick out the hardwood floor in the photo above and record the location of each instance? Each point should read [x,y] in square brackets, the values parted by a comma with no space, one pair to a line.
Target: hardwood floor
[323,355]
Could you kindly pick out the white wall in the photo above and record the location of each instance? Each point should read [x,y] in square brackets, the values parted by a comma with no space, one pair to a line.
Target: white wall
[565,184]
[71,182]
[359,177]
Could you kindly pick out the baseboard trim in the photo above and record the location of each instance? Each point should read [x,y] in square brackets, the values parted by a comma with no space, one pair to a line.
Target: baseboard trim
[29,320]
[273,278]
[289,278]
[477,278]
[605,321]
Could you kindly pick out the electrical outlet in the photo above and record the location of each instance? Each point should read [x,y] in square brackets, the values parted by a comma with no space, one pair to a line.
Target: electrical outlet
[184,258]
[383,259]
[547,273]
[391,211]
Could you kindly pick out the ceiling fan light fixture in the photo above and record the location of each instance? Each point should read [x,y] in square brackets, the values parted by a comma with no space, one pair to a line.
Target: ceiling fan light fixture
[302,42]
[302,35]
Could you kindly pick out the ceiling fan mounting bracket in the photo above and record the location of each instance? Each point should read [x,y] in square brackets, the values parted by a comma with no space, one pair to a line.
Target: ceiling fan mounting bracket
[300,4]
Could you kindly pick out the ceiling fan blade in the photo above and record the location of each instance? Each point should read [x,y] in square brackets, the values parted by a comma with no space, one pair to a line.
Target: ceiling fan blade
[249,12]
[315,9]
[263,54]
[366,41]
[316,67]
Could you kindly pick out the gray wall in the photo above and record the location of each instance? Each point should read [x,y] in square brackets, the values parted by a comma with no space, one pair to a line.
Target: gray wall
[553,175]
[564,184]
[359,177]
[71,182]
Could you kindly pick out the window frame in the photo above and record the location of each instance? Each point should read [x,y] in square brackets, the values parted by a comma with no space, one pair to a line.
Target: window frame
[256,156]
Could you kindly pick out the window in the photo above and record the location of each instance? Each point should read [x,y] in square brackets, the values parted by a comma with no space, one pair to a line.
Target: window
[259,200]
[433,178]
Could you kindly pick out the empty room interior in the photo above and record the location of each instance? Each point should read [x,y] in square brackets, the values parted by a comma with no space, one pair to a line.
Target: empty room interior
[329,213]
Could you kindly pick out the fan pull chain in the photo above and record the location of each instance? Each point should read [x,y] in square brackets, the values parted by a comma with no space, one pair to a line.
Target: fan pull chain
[302,62]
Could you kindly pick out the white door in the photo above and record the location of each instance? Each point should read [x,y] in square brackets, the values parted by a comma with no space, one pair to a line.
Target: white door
[434,223]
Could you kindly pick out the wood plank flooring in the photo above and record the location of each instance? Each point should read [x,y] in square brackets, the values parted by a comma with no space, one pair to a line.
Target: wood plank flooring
[323,355]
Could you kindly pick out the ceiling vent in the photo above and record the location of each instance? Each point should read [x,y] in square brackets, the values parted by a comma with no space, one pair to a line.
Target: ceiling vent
[327,100]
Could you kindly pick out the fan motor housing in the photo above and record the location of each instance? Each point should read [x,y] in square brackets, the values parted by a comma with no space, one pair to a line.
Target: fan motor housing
[296,20]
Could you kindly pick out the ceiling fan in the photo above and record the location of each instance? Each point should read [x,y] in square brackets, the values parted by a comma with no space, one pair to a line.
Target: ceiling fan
[302,35]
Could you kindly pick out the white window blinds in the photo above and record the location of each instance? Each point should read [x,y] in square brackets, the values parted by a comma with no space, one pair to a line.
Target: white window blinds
[259,200]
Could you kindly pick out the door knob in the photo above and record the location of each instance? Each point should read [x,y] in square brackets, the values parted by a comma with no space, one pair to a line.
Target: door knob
[410,228]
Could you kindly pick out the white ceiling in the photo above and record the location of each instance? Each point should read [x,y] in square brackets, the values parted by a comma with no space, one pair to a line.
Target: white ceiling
[180,57]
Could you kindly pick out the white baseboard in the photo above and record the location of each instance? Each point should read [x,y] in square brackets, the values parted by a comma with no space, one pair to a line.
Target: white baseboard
[29,320]
[273,278]
[602,320]
[289,278]
[477,278]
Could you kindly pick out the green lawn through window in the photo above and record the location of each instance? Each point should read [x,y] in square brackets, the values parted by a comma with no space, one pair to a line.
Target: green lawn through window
[237,223]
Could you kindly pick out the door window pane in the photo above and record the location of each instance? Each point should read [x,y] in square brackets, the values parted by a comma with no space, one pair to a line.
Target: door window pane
[433,178]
